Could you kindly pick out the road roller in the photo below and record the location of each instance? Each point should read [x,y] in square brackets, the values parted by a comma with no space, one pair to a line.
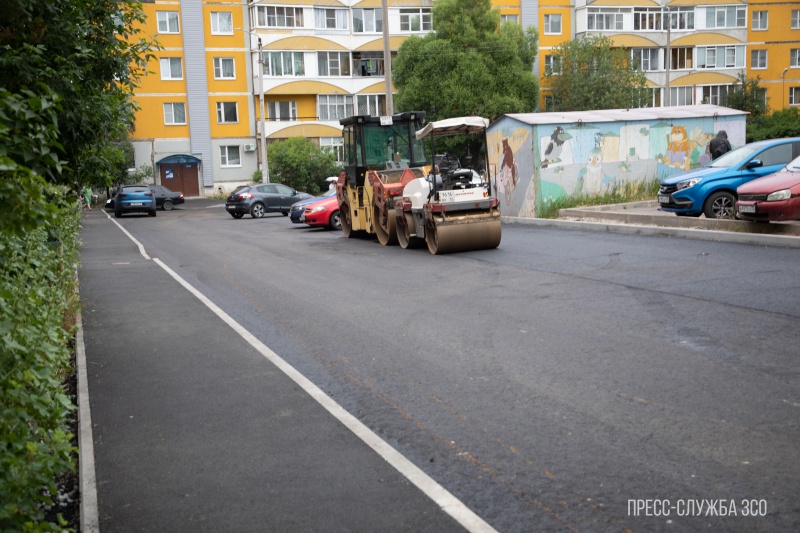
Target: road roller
[382,155]
[450,209]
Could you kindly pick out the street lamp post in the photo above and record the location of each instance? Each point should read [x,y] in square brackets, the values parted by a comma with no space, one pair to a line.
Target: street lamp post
[783,87]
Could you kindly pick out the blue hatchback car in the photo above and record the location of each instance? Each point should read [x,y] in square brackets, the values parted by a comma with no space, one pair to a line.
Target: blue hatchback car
[711,190]
[134,199]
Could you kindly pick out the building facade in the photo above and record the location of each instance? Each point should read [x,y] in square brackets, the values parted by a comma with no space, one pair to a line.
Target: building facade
[309,63]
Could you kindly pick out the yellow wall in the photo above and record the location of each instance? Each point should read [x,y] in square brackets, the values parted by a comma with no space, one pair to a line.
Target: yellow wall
[548,43]
[777,40]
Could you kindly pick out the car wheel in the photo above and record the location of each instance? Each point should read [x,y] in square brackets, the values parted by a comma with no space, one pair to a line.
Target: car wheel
[168,205]
[257,210]
[335,221]
[117,213]
[285,213]
[152,213]
[237,215]
[721,204]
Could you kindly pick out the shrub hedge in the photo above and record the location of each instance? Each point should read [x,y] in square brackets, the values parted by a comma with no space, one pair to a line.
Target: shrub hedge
[37,299]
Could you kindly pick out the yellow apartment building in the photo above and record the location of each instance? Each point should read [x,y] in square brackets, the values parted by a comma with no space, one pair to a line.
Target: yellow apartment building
[774,49]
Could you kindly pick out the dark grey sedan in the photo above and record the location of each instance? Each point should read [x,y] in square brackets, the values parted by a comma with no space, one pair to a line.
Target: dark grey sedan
[260,199]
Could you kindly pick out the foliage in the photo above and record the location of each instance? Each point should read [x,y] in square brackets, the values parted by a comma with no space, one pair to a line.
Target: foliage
[619,193]
[747,95]
[257,176]
[470,65]
[36,292]
[593,74]
[782,123]
[302,165]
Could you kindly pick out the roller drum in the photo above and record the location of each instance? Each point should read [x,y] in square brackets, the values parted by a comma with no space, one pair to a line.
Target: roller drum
[445,238]
[404,236]
[385,222]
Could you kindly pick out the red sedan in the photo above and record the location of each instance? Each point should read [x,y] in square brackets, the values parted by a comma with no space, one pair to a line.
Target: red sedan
[324,213]
[773,198]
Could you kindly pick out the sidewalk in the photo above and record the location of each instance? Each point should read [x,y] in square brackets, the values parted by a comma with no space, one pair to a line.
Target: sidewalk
[195,428]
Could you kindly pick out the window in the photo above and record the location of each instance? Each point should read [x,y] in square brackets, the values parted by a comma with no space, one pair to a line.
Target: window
[282,110]
[221,23]
[334,145]
[367,20]
[646,59]
[552,65]
[371,104]
[171,68]
[229,156]
[510,19]
[168,22]
[549,102]
[552,24]
[794,95]
[335,106]
[760,20]
[717,57]
[681,18]
[279,17]
[333,63]
[776,155]
[284,63]
[605,18]
[415,19]
[174,113]
[368,64]
[796,19]
[715,94]
[681,58]
[227,112]
[681,96]
[224,68]
[330,19]
[758,59]
[794,57]
[726,17]
[647,18]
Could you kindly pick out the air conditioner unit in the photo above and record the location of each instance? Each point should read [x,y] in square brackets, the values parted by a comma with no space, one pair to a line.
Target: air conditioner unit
[249,147]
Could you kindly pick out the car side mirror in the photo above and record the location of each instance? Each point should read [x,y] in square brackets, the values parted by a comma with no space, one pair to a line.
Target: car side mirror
[754,163]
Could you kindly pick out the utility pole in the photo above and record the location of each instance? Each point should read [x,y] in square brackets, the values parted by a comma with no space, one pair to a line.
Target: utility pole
[387,59]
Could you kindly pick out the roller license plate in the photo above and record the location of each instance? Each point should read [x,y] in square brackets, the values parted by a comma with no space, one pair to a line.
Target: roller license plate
[747,209]
[663,198]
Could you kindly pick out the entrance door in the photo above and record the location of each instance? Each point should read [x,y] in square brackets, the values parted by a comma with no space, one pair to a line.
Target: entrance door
[181,177]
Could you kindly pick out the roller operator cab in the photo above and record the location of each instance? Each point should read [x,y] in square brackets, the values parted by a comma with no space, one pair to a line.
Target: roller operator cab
[388,187]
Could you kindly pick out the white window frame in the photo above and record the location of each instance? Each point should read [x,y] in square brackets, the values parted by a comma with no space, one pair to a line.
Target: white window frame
[410,17]
[509,19]
[340,104]
[728,56]
[225,153]
[166,73]
[758,59]
[219,70]
[719,17]
[223,108]
[760,20]
[794,57]
[552,24]
[283,64]
[217,18]
[552,64]
[795,24]
[329,18]
[681,96]
[335,145]
[681,18]
[169,113]
[338,62]
[610,18]
[646,58]
[370,104]
[282,110]
[794,95]
[714,94]
[686,53]
[648,18]
[371,20]
[279,17]
[163,21]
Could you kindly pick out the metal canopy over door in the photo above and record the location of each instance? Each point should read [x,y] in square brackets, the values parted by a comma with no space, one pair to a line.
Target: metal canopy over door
[180,173]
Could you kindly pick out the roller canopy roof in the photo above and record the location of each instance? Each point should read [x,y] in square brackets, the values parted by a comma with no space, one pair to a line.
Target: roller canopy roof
[454,126]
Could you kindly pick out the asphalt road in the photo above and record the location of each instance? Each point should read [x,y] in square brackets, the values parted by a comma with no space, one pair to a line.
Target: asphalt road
[567,381]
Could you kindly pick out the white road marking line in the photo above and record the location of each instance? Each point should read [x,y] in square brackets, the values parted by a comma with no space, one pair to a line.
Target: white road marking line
[441,496]
[137,243]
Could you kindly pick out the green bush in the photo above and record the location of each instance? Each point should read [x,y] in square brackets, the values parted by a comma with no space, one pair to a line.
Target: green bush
[782,123]
[36,298]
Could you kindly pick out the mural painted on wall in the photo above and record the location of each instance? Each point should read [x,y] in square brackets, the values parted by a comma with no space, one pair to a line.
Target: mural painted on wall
[537,164]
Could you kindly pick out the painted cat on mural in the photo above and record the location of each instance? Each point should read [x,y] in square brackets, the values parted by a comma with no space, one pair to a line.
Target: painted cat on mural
[679,149]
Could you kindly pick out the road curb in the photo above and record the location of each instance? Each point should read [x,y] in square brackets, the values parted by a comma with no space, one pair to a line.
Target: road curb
[90,522]
[639,229]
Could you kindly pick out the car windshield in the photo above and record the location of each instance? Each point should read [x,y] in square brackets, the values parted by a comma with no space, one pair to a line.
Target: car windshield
[734,157]
[792,166]
[135,188]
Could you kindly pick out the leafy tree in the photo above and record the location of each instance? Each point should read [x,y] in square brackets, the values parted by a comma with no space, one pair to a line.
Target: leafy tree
[781,123]
[301,164]
[747,95]
[591,73]
[470,64]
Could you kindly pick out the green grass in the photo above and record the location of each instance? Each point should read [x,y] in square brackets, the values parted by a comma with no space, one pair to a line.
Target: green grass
[635,191]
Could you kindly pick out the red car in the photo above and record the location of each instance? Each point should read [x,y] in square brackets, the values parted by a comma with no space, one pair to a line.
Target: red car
[773,198]
[324,213]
